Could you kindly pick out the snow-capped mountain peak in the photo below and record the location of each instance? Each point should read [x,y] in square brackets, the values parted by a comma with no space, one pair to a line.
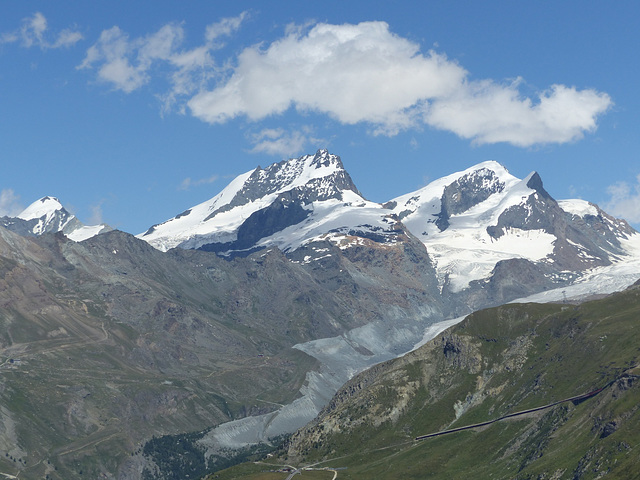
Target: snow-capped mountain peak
[48,215]
[283,192]
[45,207]
[322,176]
[475,224]
[433,205]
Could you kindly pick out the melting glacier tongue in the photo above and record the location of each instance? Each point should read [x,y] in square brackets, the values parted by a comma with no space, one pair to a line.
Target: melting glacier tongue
[340,359]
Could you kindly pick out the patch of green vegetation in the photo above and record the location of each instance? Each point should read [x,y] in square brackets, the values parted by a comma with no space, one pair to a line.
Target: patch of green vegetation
[496,362]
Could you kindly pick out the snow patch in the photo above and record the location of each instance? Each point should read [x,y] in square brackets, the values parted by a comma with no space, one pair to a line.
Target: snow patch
[578,207]
[83,233]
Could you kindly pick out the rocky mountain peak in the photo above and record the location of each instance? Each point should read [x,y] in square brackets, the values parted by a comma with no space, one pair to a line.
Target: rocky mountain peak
[321,176]
[257,204]
[468,191]
[534,182]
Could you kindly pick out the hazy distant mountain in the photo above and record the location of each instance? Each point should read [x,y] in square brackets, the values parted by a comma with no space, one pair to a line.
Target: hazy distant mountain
[47,215]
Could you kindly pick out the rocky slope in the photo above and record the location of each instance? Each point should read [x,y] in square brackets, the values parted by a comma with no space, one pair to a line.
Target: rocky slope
[496,362]
[108,342]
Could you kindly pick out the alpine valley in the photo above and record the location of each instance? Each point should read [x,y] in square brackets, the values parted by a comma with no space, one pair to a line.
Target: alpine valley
[215,335]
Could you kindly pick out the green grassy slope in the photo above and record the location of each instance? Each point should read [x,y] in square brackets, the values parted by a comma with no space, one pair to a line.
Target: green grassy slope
[496,362]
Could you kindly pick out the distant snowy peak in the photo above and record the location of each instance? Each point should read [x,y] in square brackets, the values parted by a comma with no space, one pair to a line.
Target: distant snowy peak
[475,224]
[433,206]
[316,177]
[45,207]
[257,204]
[472,220]
[47,215]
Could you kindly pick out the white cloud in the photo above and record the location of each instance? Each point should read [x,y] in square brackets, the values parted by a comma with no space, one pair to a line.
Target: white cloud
[127,64]
[187,183]
[487,112]
[624,201]
[355,74]
[10,203]
[278,141]
[224,27]
[32,33]
[365,74]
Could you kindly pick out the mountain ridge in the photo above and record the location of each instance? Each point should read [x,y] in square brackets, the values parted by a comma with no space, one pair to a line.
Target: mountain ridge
[310,284]
[469,221]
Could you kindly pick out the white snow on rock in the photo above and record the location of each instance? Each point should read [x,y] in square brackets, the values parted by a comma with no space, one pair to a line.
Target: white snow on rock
[464,251]
[51,216]
[45,207]
[597,281]
[578,207]
[218,219]
[85,232]
[458,242]
[46,211]
[194,228]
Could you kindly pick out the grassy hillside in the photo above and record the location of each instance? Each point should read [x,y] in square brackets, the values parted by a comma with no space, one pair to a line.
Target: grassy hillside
[496,362]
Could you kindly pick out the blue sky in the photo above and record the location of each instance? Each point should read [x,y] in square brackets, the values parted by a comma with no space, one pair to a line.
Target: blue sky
[131,112]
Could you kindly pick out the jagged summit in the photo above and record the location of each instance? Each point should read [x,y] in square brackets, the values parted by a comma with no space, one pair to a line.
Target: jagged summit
[263,200]
[322,176]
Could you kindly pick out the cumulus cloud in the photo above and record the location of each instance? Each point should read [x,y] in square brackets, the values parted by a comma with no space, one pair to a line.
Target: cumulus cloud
[355,74]
[128,63]
[366,74]
[624,201]
[280,142]
[33,33]
[188,182]
[487,112]
[10,203]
